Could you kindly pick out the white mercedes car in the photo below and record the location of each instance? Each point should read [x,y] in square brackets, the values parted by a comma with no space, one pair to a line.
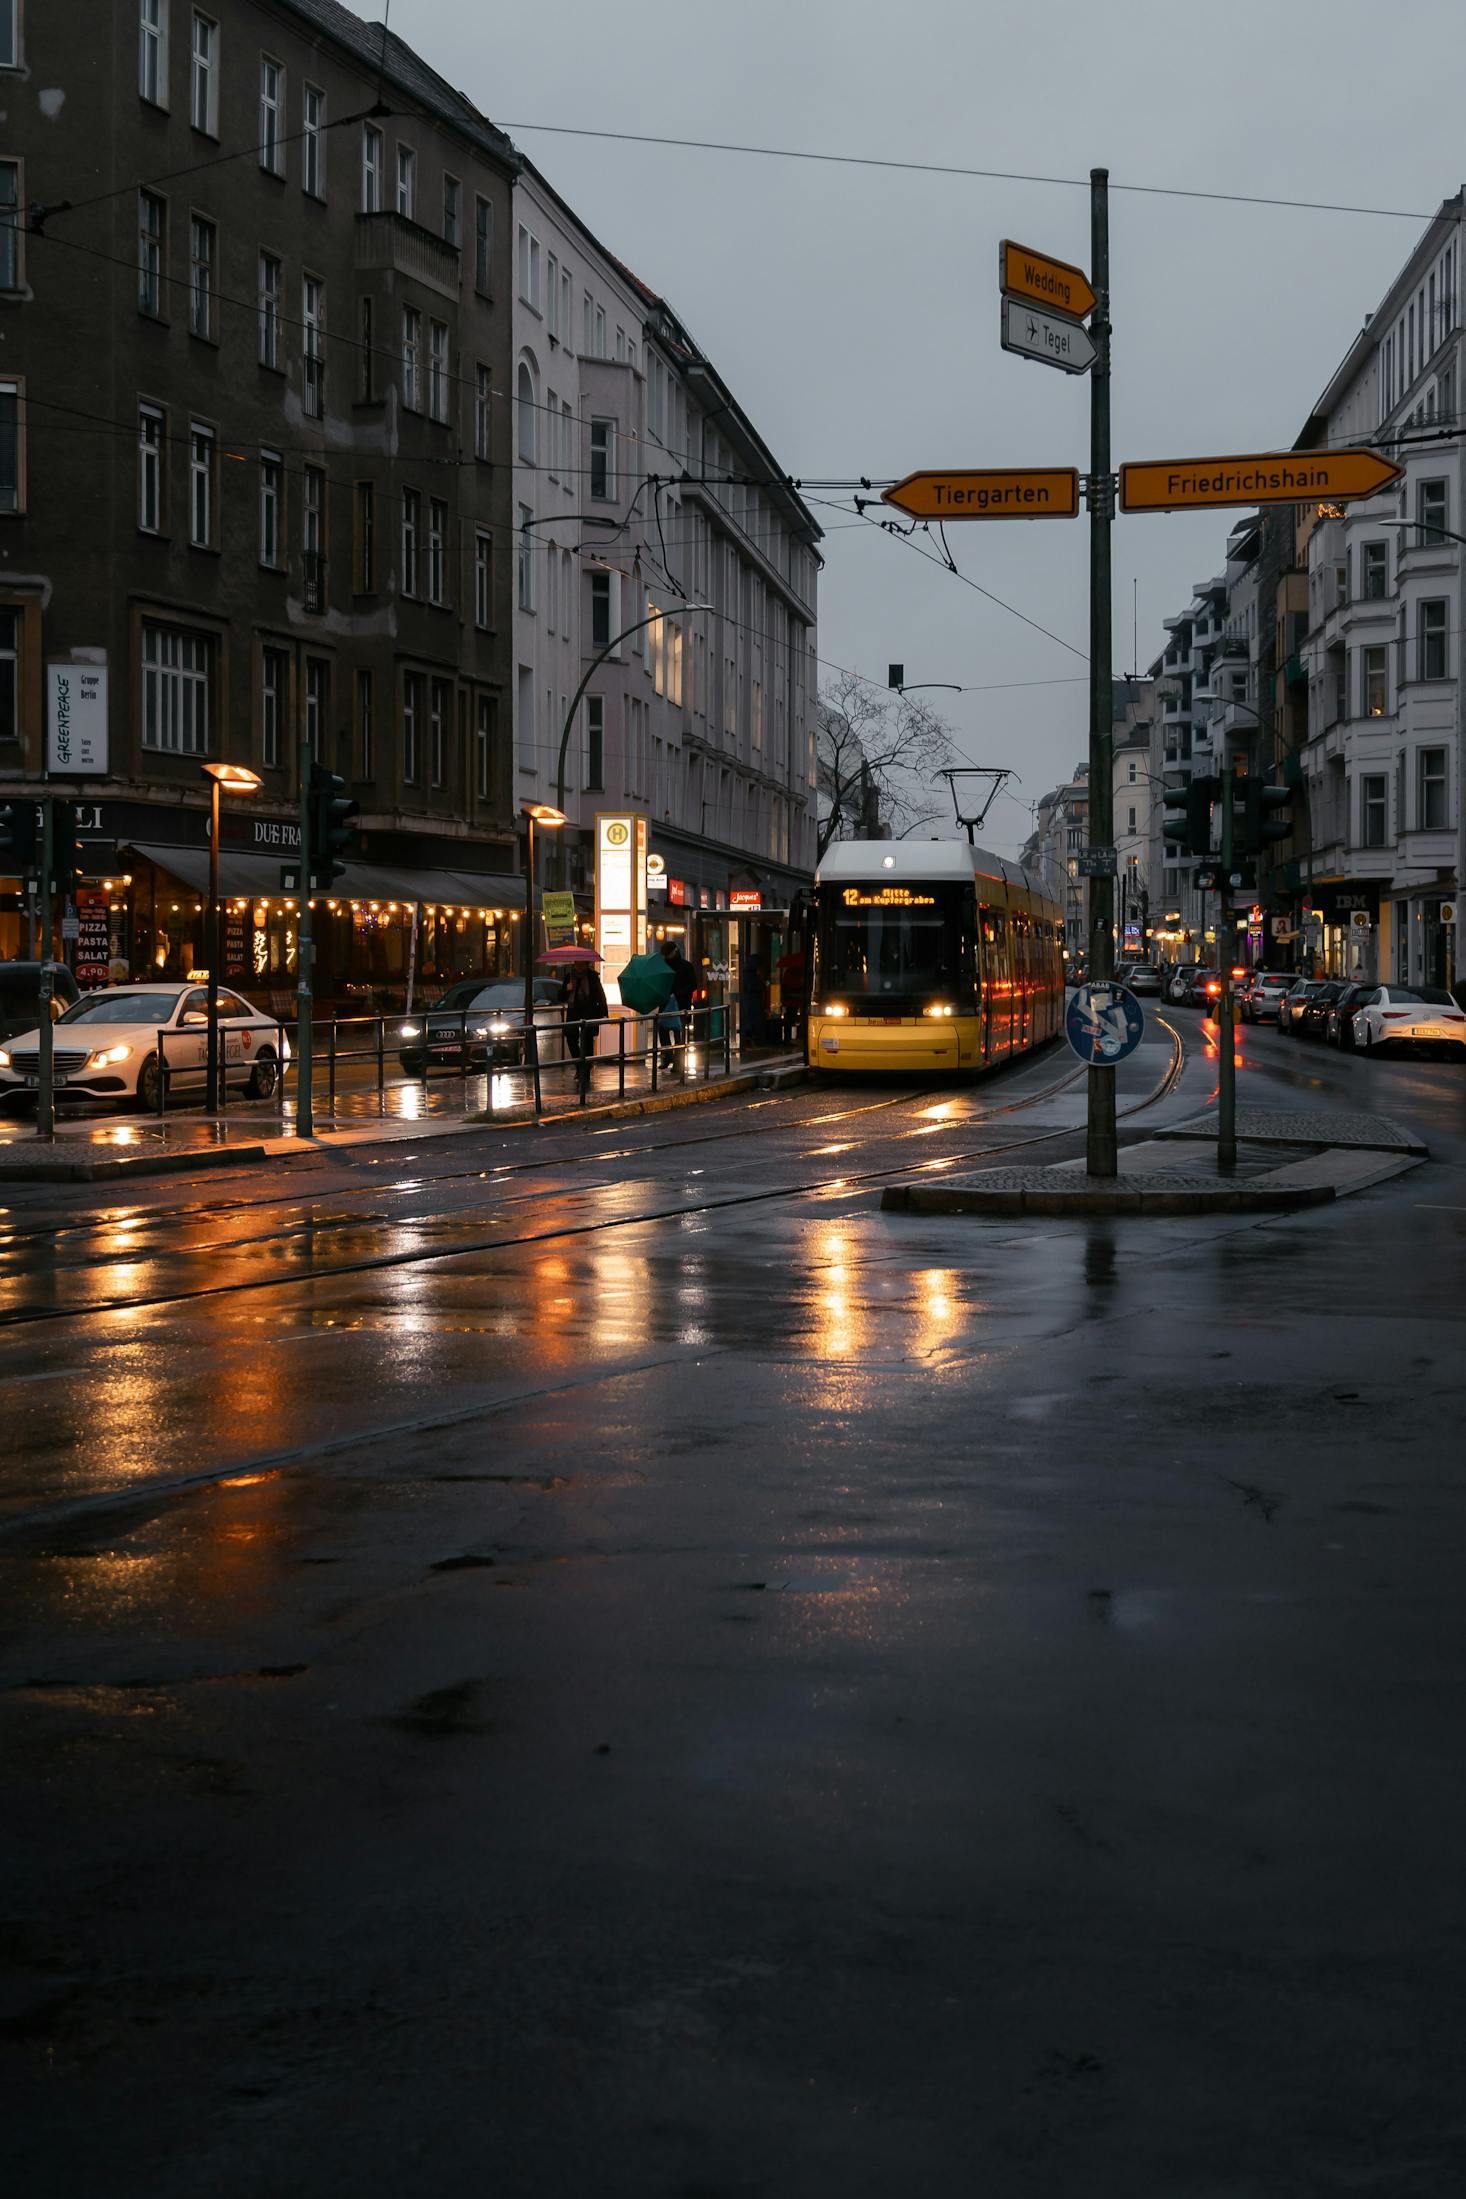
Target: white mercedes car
[1408,1015]
[106,1046]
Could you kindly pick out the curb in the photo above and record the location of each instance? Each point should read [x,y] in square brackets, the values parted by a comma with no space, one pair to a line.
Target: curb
[1261,1199]
[107,1167]
[772,1079]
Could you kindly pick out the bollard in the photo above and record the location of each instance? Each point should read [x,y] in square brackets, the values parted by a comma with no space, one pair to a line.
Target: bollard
[331,1067]
[381,1061]
[621,1057]
[162,1076]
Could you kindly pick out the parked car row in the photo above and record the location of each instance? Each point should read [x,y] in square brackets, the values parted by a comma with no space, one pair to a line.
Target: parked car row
[1338,1011]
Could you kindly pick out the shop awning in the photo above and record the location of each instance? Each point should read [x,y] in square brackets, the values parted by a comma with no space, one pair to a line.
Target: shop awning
[248,877]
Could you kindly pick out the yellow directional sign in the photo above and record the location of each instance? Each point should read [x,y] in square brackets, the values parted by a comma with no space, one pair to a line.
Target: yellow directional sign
[1027,274]
[1266,477]
[1036,492]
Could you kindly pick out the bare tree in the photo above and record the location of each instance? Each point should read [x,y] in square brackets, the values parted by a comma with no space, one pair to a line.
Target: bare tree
[879,755]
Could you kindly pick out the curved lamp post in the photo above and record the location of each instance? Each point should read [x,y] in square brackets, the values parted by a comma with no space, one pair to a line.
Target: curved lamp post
[534,813]
[223,779]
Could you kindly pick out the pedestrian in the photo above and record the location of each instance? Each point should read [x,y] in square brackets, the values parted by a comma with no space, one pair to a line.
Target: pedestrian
[583,997]
[679,1001]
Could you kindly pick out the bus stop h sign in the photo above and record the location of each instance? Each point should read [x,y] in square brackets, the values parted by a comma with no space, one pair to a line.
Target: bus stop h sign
[1104,1023]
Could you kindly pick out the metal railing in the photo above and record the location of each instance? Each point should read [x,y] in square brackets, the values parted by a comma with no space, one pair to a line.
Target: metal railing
[516,1066]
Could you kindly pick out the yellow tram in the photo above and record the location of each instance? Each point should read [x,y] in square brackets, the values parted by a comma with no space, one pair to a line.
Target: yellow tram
[929,955]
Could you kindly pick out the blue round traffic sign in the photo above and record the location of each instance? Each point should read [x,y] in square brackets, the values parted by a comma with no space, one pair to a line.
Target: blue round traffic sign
[1104,1023]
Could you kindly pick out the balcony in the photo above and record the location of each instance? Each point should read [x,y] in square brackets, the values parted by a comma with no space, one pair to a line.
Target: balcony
[391,244]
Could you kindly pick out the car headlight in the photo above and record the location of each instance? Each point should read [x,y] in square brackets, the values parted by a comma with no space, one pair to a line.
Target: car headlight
[410,1030]
[106,1055]
[4,1059]
[499,1030]
[478,1031]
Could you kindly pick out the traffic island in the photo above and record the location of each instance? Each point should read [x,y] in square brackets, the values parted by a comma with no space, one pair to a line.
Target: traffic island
[1288,1161]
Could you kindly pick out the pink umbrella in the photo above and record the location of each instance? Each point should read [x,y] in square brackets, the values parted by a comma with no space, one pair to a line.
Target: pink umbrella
[569,954]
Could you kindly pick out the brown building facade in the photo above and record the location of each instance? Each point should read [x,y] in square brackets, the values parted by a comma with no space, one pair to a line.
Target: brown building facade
[255,461]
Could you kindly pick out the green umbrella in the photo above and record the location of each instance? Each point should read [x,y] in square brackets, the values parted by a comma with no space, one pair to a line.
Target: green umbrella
[646,983]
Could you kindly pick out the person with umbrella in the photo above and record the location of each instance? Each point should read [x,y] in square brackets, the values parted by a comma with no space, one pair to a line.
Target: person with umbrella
[583,998]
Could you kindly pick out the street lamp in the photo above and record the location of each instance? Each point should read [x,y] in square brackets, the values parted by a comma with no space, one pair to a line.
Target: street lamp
[223,779]
[542,814]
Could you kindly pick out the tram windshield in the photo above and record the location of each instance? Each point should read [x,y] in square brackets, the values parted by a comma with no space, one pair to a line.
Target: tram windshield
[880,942]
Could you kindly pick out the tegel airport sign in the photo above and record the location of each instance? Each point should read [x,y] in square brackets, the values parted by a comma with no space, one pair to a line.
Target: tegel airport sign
[1047,337]
[1024,273]
[1037,492]
[1268,477]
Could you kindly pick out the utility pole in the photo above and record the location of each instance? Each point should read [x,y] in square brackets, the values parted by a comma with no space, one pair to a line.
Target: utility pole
[1101,1151]
[305,954]
[1226,1032]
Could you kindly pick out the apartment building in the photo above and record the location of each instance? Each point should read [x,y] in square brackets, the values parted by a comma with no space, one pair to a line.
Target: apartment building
[255,444]
[663,560]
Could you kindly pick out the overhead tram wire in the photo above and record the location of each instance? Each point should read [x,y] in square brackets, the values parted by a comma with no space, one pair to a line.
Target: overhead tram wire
[950,168]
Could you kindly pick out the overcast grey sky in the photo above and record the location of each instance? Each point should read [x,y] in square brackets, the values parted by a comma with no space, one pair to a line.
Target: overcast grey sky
[855,312]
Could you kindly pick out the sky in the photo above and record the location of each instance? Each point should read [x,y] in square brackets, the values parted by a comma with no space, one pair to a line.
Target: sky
[854,311]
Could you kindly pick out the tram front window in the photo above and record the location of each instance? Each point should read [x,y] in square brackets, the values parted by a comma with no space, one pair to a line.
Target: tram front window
[887,952]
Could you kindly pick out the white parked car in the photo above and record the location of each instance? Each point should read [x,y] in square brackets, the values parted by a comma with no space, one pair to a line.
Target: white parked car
[106,1045]
[1408,1015]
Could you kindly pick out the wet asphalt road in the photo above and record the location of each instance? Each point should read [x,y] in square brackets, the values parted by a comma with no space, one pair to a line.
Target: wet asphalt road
[555,1663]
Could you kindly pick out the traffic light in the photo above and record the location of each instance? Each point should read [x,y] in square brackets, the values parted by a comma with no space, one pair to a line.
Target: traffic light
[332,835]
[1266,816]
[68,856]
[19,838]
[1188,830]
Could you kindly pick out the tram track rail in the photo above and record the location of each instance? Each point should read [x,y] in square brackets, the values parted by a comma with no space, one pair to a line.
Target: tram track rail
[845,1183]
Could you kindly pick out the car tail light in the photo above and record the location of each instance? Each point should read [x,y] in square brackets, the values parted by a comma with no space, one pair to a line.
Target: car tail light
[1394,1015]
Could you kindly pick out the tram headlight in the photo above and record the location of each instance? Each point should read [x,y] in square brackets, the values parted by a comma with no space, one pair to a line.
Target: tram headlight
[941,1008]
[836,1008]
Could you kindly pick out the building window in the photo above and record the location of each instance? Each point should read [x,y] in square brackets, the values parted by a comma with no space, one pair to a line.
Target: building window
[1432,510]
[201,463]
[1373,810]
[483,576]
[1433,640]
[202,245]
[525,413]
[438,709]
[529,269]
[12,447]
[484,746]
[483,245]
[406,181]
[524,560]
[272,482]
[366,324]
[371,168]
[1431,789]
[411,532]
[411,727]
[313,324]
[1374,699]
[1374,576]
[152,47]
[313,141]
[437,550]
[366,538]
[273,675]
[152,215]
[317,692]
[203,96]
[366,727]
[177,669]
[313,536]
[438,371]
[524,718]
[601,628]
[595,743]
[481,397]
[552,294]
[412,358]
[602,458]
[12,265]
[452,211]
[272,115]
[150,469]
[270,279]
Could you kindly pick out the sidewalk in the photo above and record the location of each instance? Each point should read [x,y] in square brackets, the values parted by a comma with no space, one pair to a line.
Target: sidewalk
[97,1150]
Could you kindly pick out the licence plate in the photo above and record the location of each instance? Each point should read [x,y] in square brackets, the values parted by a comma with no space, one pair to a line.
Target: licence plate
[892,1019]
[1428,1030]
[33,1084]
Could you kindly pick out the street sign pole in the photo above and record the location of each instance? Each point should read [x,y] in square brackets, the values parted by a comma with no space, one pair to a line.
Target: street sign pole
[1102,1153]
[1226,1033]
[46,1051]
[305,1125]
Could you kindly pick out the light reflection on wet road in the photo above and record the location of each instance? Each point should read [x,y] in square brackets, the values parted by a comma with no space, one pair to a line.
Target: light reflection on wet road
[773,1684]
